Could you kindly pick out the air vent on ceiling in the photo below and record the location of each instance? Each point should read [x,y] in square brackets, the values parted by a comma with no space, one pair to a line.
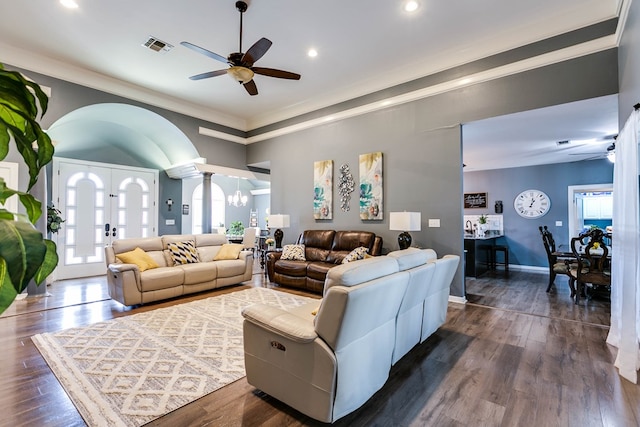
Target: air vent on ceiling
[561,143]
[157,45]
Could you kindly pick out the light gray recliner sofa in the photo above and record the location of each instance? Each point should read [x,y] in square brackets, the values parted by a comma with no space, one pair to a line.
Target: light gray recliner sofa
[129,286]
[329,365]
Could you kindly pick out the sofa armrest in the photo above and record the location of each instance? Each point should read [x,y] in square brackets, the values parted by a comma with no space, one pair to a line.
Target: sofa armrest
[280,322]
[272,257]
[122,269]
[123,282]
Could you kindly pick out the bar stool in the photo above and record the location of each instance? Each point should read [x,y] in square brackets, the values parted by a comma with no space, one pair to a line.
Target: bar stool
[488,255]
[505,256]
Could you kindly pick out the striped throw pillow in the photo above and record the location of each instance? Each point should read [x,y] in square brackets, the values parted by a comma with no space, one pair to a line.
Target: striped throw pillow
[183,252]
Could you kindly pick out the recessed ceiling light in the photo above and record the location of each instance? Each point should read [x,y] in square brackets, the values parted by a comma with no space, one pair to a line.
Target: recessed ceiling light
[69,4]
[312,53]
[411,6]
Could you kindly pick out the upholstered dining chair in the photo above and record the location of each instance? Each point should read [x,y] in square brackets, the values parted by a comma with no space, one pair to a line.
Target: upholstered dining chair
[557,264]
[249,238]
[593,267]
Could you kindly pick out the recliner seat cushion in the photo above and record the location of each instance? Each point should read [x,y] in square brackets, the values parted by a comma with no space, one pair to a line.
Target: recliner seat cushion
[199,272]
[230,267]
[291,268]
[318,270]
[161,278]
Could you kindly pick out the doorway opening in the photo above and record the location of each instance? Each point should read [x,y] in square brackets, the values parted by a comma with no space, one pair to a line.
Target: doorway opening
[589,205]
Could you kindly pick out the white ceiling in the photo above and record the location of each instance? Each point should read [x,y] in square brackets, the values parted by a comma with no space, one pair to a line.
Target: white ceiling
[363,45]
[531,137]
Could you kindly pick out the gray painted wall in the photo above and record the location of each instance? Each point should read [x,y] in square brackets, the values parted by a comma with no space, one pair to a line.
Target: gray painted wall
[67,97]
[421,142]
[629,64]
[521,234]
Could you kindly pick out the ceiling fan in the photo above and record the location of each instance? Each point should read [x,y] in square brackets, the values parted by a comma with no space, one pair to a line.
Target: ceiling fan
[241,64]
[608,153]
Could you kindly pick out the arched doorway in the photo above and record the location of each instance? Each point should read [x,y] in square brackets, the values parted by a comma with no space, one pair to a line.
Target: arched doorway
[108,160]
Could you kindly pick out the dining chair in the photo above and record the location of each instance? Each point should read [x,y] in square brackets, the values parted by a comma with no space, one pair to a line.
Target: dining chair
[557,263]
[249,238]
[593,266]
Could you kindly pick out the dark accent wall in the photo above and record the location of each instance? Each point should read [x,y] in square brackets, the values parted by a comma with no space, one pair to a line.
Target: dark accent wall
[521,234]
[422,147]
[629,64]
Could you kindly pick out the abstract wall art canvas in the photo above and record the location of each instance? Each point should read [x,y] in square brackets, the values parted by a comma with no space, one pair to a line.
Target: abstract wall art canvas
[371,194]
[323,189]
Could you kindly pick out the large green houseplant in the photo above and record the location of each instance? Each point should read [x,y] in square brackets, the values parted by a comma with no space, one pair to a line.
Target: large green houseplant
[24,254]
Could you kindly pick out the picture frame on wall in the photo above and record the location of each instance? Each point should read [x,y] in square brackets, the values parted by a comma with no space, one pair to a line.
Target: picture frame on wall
[371,189]
[323,189]
[475,200]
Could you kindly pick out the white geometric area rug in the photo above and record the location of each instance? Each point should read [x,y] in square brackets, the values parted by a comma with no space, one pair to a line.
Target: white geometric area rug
[134,369]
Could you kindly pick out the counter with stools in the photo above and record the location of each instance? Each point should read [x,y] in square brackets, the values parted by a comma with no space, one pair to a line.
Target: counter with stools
[481,255]
[505,256]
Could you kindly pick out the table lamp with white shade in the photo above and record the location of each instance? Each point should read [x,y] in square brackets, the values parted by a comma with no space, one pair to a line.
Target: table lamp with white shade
[405,222]
[278,221]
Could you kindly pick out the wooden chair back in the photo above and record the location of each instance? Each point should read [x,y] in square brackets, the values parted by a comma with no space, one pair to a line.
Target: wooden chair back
[593,262]
[549,244]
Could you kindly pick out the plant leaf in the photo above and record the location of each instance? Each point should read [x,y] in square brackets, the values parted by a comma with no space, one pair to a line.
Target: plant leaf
[23,249]
[7,291]
[49,263]
[18,113]
[30,203]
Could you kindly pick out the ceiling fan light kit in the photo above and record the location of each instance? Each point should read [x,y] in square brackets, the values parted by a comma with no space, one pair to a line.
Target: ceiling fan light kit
[241,64]
[240,74]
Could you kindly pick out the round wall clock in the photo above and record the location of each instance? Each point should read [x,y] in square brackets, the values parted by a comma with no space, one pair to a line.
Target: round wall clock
[532,204]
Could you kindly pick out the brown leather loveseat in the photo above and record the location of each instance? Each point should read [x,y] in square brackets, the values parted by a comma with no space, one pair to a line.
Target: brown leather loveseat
[323,249]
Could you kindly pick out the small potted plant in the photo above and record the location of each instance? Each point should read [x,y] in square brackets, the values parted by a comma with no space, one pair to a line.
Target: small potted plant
[482,225]
[54,220]
[236,228]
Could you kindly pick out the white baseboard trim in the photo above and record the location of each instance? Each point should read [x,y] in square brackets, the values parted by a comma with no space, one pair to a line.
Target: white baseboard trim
[457,300]
[532,268]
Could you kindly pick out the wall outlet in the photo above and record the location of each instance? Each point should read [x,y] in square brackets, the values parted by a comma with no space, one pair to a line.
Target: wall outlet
[170,222]
[558,223]
[434,223]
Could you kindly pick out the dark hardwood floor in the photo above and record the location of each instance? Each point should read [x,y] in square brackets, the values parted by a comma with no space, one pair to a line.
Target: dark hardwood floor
[514,355]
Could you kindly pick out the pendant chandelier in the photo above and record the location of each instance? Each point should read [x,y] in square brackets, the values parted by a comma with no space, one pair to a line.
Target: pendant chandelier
[237,199]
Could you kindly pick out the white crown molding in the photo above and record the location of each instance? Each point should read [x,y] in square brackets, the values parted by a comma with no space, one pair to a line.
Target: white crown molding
[623,13]
[222,135]
[60,70]
[66,72]
[550,58]
[260,191]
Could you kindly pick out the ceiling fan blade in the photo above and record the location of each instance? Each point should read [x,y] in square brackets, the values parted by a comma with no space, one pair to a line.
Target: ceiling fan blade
[272,72]
[205,52]
[251,87]
[208,74]
[256,51]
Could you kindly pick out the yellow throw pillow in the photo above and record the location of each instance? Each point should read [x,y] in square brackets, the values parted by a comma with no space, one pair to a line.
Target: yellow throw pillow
[228,251]
[139,258]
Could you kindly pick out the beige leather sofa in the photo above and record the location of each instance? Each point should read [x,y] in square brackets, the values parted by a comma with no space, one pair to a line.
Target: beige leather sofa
[371,314]
[130,286]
